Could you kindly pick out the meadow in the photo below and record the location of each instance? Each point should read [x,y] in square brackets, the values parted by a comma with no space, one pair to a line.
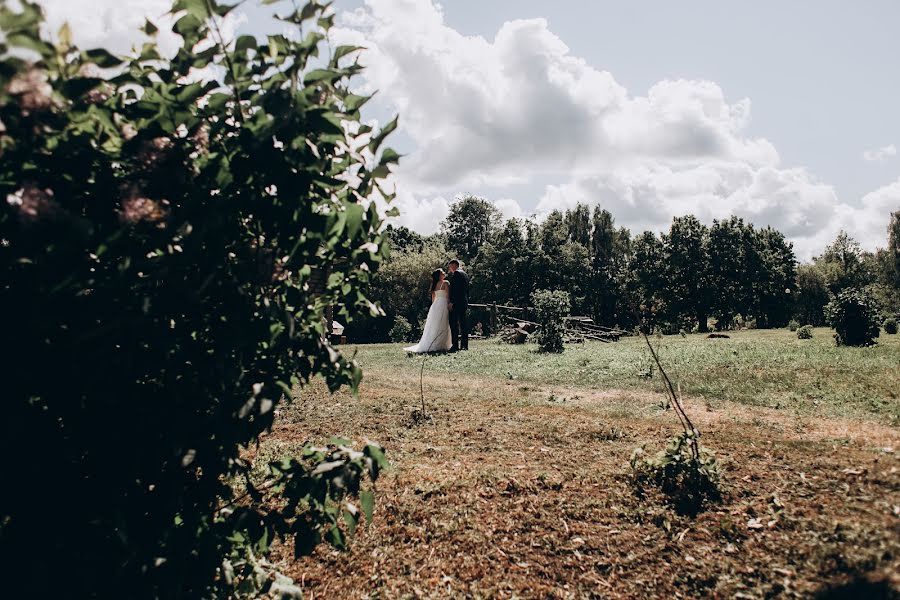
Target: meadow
[768,368]
[515,481]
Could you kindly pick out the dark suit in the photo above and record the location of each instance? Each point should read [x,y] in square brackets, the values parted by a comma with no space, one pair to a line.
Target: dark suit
[459,298]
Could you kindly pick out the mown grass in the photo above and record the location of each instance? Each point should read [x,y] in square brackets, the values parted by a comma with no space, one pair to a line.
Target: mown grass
[769,368]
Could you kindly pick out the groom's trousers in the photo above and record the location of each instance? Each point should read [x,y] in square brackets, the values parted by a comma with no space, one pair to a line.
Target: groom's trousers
[459,328]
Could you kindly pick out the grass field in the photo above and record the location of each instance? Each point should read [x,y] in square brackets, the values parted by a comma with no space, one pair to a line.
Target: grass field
[761,368]
[517,484]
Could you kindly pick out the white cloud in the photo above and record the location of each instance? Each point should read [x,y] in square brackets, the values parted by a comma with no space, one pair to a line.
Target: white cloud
[509,208]
[880,154]
[498,111]
[112,24]
[520,107]
[870,220]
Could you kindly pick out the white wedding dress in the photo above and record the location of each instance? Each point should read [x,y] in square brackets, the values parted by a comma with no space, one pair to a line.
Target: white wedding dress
[436,333]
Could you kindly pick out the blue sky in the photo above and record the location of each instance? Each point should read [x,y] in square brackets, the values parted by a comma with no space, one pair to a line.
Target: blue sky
[785,113]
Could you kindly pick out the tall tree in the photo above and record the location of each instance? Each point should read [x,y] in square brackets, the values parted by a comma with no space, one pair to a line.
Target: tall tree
[603,247]
[578,221]
[503,267]
[403,238]
[842,264]
[893,249]
[647,277]
[554,232]
[727,271]
[811,296]
[777,279]
[687,271]
[471,224]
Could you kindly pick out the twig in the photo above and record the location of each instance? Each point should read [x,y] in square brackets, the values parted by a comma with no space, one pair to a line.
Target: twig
[422,384]
[683,417]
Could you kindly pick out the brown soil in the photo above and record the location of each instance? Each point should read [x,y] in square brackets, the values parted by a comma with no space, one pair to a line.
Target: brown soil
[513,491]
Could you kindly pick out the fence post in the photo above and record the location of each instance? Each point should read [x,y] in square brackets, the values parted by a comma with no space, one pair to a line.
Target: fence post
[494,327]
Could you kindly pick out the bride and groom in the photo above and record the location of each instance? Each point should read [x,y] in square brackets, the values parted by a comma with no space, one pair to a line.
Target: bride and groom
[446,329]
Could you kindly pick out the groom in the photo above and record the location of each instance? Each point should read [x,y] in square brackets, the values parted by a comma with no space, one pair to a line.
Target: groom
[459,304]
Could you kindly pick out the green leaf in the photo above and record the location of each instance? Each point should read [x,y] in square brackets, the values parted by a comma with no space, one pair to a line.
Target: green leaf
[385,131]
[336,538]
[102,57]
[322,75]
[353,102]
[149,28]
[389,155]
[65,35]
[342,51]
[30,42]
[187,25]
[245,42]
[367,501]
[351,518]
[197,8]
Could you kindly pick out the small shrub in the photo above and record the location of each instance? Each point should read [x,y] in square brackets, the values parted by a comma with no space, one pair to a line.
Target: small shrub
[551,308]
[401,331]
[690,482]
[750,324]
[804,333]
[854,317]
[793,325]
[890,325]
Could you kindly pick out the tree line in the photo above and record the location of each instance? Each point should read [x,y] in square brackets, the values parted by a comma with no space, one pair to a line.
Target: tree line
[690,278]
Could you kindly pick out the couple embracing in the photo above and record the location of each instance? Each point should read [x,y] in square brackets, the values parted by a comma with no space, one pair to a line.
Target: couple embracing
[446,329]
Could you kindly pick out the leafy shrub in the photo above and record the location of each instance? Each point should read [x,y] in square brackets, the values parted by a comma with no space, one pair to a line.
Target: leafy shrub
[805,333]
[402,330]
[793,325]
[890,325]
[854,317]
[690,482]
[551,307]
[750,324]
[169,250]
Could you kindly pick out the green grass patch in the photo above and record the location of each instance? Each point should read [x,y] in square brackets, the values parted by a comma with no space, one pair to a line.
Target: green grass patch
[769,368]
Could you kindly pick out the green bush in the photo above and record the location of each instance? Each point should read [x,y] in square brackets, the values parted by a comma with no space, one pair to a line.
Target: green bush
[854,317]
[793,325]
[804,333]
[890,325]
[551,308]
[690,482]
[402,330]
[169,252]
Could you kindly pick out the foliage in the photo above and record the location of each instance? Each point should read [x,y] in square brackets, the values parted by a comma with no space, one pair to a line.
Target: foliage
[403,238]
[854,317]
[687,273]
[729,244]
[842,264]
[684,470]
[892,252]
[689,481]
[402,330]
[504,267]
[812,295]
[402,287]
[551,308]
[805,332]
[890,325]
[793,325]
[170,248]
[471,223]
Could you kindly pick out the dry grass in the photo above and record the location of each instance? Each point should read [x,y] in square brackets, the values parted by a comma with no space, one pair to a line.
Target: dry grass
[523,490]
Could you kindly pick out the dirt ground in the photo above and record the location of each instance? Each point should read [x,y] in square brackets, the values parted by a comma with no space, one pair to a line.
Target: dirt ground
[520,491]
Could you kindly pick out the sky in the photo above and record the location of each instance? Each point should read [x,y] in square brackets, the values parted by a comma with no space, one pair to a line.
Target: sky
[783,113]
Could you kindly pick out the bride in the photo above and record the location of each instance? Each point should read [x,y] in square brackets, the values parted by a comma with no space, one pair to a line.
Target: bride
[436,333]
